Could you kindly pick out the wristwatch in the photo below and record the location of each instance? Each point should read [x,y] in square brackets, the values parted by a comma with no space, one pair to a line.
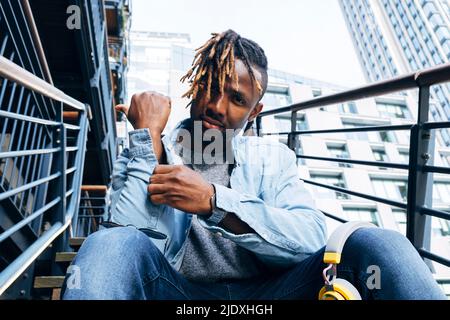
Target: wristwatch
[217,214]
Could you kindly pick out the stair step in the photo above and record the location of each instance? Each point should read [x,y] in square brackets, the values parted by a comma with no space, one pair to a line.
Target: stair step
[76,242]
[95,188]
[70,115]
[56,293]
[65,256]
[48,282]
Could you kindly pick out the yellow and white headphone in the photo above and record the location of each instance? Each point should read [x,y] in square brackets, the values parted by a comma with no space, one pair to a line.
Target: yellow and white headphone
[337,288]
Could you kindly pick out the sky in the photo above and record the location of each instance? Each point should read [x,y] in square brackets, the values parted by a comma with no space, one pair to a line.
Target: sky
[304,37]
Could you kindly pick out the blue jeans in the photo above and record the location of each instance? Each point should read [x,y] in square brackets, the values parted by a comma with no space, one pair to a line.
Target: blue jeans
[123,263]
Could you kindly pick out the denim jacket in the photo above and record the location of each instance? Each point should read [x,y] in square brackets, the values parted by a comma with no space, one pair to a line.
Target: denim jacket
[265,192]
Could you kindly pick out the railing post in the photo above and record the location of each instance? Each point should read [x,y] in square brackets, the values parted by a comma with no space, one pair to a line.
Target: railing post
[79,163]
[258,126]
[61,165]
[291,136]
[420,183]
[59,215]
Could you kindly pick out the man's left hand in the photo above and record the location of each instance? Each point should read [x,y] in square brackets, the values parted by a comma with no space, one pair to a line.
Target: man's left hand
[182,188]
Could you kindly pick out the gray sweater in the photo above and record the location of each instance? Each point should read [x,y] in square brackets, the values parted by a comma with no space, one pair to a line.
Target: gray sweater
[210,257]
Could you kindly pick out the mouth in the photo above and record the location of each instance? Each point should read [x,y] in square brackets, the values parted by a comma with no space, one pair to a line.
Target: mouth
[211,123]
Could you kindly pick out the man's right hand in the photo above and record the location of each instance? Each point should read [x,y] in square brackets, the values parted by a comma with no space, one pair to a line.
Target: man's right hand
[147,110]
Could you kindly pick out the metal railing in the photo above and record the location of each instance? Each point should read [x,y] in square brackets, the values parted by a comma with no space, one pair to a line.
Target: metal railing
[93,210]
[42,158]
[420,181]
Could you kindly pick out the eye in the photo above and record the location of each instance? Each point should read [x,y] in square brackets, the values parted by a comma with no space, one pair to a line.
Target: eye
[238,99]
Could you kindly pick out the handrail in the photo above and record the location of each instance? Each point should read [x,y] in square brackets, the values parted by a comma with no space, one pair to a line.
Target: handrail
[63,212]
[425,77]
[21,263]
[419,172]
[13,72]
[37,40]
[362,162]
[359,129]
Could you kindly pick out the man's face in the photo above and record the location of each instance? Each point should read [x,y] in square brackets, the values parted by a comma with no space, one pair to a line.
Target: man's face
[234,107]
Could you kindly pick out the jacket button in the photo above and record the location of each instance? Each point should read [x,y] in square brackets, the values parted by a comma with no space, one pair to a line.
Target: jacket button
[219,234]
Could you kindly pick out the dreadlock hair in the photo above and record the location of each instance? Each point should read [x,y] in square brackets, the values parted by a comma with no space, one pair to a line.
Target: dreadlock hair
[215,60]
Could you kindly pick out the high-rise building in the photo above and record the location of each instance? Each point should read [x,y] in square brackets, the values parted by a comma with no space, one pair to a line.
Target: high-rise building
[393,37]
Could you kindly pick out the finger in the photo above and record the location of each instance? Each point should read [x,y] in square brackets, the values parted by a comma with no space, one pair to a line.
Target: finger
[123,108]
[165,168]
[157,188]
[157,199]
[159,178]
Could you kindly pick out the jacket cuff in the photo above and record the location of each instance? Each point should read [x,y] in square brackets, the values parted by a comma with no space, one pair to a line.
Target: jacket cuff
[141,143]
[227,199]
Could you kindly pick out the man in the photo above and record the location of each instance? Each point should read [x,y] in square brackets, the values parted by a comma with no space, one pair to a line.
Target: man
[208,213]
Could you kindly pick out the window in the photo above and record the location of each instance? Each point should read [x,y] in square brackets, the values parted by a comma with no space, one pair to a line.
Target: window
[316,92]
[400,218]
[355,135]
[361,214]
[437,58]
[445,159]
[388,136]
[442,33]
[440,227]
[445,137]
[445,286]
[273,99]
[348,108]
[339,152]
[391,189]
[380,155]
[301,123]
[389,110]
[283,123]
[299,151]
[336,181]
[441,192]
[429,9]
[404,156]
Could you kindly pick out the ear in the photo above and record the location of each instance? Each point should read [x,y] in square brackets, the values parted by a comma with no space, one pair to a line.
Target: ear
[254,113]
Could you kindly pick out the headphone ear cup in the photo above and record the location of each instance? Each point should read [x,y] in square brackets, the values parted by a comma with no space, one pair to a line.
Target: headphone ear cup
[326,294]
[342,290]
[346,289]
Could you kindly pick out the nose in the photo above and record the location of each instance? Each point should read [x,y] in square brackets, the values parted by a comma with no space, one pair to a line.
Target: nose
[217,107]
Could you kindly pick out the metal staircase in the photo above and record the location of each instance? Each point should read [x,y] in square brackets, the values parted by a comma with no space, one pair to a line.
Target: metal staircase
[92,209]
[56,115]
[41,173]
[64,259]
